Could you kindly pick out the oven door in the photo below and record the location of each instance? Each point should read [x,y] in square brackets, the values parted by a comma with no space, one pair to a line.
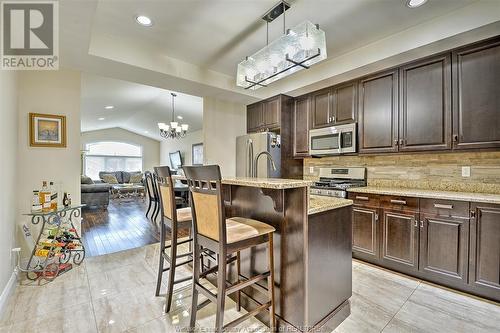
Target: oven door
[324,141]
[348,139]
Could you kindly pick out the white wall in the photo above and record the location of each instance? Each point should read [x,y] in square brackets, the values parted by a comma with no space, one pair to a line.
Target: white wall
[8,170]
[222,122]
[184,145]
[51,92]
[150,147]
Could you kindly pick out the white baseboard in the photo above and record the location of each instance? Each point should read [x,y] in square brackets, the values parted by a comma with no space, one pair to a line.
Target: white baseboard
[7,292]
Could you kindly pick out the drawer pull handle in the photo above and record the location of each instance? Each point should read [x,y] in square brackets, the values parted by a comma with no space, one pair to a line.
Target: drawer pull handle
[400,202]
[443,206]
[362,198]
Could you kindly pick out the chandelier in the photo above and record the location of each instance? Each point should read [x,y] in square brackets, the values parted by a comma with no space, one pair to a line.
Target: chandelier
[296,49]
[174,130]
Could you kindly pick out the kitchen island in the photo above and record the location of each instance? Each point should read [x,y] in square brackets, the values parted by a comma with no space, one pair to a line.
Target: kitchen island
[312,249]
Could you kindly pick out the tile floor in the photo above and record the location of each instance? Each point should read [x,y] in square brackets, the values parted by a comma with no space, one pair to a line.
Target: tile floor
[115,293]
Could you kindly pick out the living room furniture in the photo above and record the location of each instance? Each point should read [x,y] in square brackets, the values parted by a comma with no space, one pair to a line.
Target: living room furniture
[123,192]
[94,193]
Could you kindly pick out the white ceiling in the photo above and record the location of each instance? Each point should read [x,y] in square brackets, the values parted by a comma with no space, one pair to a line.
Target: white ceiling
[137,108]
[194,46]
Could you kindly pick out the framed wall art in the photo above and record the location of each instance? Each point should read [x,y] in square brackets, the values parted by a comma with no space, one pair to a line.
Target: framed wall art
[197,154]
[47,130]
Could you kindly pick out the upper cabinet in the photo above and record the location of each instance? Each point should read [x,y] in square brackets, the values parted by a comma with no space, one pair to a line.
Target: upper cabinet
[254,117]
[264,116]
[271,113]
[476,109]
[322,109]
[425,111]
[345,102]
[300,126]
[378,113]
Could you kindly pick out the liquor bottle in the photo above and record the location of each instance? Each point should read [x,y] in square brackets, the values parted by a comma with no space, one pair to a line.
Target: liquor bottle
[35,204]
[45,197]
[66,200]
[69,199]
[53,197]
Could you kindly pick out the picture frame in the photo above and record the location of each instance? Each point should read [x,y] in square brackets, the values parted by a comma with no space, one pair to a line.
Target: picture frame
[197,154]
[47,130]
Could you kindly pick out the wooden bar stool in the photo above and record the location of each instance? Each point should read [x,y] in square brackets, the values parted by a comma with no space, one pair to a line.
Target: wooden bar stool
[211,230]
[175,219]
[153,196]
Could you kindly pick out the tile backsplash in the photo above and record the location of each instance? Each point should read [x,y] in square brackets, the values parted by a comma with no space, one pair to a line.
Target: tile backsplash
[438,171]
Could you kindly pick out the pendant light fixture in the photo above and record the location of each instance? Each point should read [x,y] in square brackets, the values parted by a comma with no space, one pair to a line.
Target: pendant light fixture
[296,49]
[174,130]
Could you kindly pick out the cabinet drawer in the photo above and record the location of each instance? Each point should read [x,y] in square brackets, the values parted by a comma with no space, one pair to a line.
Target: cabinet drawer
[444,207]
[399,203]
[364,199]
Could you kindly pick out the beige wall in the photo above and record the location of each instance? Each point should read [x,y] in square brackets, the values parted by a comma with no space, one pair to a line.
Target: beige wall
[150,147]
[184,145]
[440,171]
[8,170]
[52,92]
[222,123]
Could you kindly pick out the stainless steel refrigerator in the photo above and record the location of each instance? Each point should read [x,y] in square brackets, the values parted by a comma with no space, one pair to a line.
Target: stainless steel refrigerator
[248,147]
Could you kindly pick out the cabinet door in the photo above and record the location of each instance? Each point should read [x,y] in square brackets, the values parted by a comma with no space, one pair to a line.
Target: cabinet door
[444,247]
[254,117]
[485,249]
[476,87]
[400,240]
[425,112]
[271,112]
[321,108]
[345,103]
[301,127]
[365,240]
[378,113]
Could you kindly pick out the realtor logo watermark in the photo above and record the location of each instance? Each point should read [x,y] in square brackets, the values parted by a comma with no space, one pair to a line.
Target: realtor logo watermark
[29,35]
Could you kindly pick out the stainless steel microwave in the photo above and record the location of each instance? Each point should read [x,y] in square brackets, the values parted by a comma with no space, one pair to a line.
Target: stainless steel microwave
[333,140]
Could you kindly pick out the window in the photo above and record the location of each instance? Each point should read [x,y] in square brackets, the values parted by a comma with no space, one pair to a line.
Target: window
[112,156]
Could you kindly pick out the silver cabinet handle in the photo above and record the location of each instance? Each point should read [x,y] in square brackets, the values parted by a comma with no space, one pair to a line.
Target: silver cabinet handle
[362,198]
[333,119]
[443,206]
[376,217]
[416,223]
[421,224]
[400,202]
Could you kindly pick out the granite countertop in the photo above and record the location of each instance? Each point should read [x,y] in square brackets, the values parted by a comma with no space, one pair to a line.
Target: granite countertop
[274,183]
[433,194]
[319,203]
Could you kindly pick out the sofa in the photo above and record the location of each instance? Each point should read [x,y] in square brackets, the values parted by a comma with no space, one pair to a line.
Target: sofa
[122,177]
[94,193]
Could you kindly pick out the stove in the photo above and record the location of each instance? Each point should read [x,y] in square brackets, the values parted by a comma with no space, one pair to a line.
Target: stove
[334,182]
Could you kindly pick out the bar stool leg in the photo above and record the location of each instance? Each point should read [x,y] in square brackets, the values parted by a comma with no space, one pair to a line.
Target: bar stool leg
[238,272]
[162,260]
[221,292]
[157,210]
[149,207]
[270,285]
[171,271]
[196,279]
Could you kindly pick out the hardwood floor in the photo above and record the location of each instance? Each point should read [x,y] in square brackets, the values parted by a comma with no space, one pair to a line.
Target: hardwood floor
[120,227]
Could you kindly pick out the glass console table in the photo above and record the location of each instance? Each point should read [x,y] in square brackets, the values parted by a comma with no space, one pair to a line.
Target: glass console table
[57,244]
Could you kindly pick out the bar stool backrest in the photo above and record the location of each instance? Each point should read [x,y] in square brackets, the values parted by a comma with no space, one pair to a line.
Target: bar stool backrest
[165,187]
[150,186]
[206,202]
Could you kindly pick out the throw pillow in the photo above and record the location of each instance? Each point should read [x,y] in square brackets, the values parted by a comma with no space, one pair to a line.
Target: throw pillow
[136,178]
[86,180]
[110,179]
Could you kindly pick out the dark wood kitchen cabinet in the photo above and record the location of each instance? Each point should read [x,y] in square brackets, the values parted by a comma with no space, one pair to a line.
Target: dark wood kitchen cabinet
[322,108]
[425,110]
[476,86]
[345,102]
[378,113]
[484,258]
[365,235]
[271,113]
[300,126]
[254,117]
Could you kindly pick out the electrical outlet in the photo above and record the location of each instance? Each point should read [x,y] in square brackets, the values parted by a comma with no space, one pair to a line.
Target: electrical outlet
[311,169]
[466,171]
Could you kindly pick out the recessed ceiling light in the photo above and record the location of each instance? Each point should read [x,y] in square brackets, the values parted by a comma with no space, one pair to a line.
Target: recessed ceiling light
[102,118]
[179,117]
[146,132]
[415,3]
[144,20]
[109,107]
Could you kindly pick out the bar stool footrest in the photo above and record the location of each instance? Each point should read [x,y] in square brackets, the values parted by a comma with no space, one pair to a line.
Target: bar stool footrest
[246,316]
[247,283]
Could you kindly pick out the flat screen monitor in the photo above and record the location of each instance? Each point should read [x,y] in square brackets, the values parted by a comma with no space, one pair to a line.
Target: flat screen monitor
[175,160]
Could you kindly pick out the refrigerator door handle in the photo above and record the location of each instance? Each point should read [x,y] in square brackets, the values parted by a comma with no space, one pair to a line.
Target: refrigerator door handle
[249,164]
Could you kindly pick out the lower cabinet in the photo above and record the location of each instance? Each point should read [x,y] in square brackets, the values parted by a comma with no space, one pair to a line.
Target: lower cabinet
[485,249]
[400,240]
[444,247]
[365,238]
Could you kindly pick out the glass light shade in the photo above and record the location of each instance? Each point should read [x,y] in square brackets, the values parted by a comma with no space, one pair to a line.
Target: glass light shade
[184,127]
[162,126]
[299,44]
[173,124]
[178,129]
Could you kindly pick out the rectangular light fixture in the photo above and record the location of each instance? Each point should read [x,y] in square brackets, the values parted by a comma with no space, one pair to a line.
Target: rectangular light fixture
[299,48]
